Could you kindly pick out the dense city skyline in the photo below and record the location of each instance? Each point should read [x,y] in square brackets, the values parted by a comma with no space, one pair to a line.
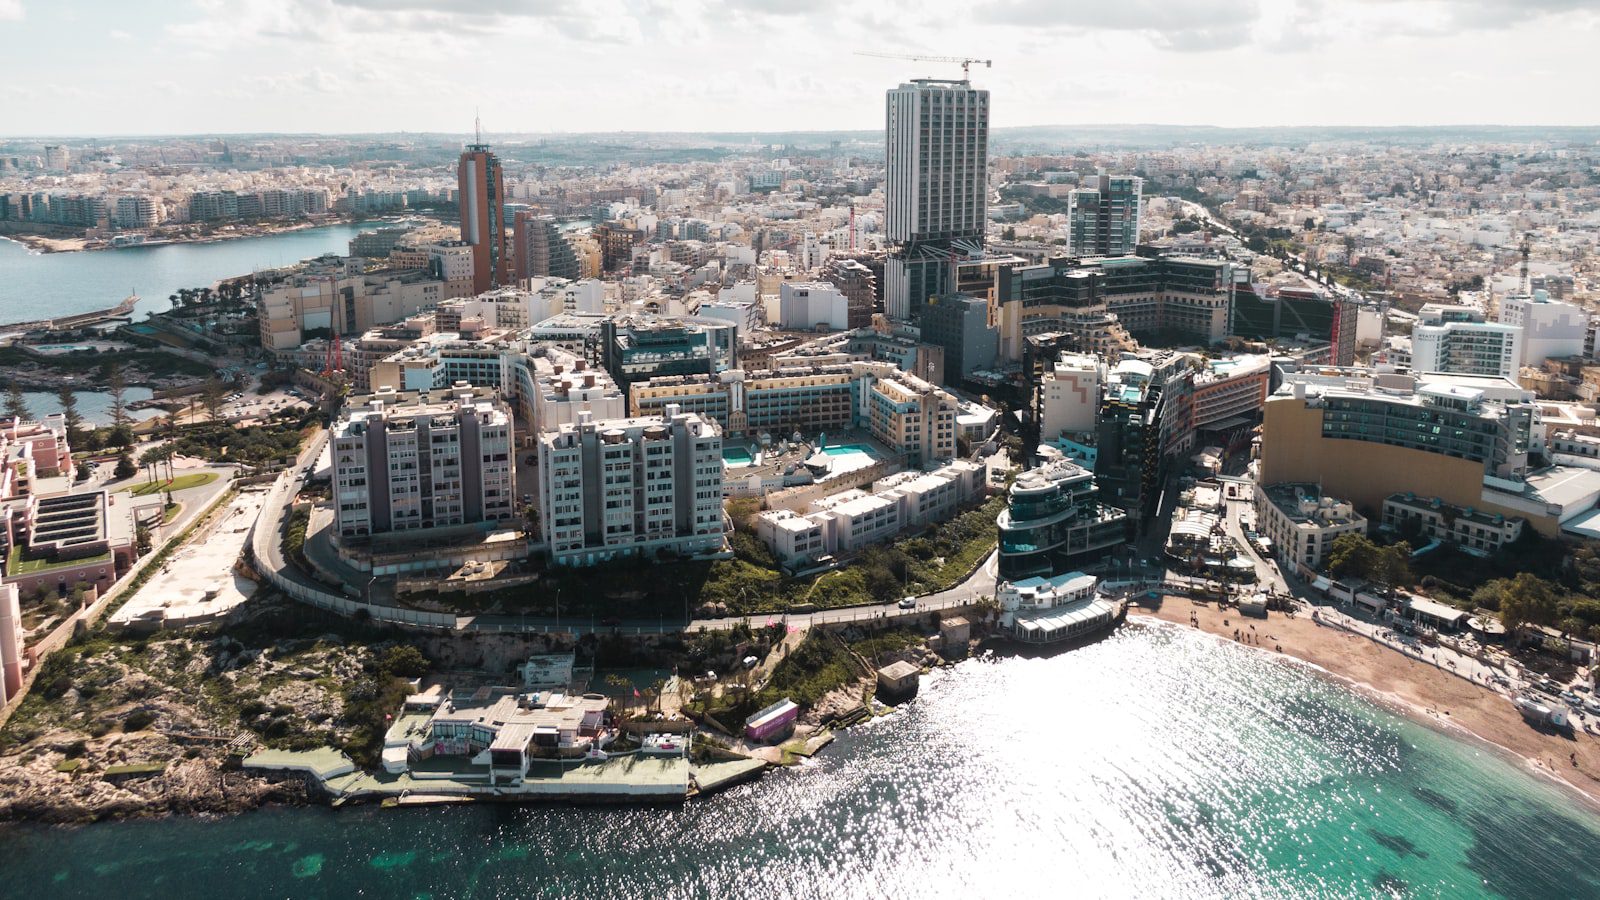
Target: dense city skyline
[350,66]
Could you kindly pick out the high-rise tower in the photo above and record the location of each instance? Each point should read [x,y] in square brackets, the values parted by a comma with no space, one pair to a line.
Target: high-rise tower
[937,143]
[1103,216]
[482,220]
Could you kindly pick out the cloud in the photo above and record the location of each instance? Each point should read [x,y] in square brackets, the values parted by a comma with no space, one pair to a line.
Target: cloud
[118,34]
[1193,25]
[11,11]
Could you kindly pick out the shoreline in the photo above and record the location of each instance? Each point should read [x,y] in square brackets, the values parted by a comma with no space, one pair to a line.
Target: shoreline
[1444,702]
[42,244]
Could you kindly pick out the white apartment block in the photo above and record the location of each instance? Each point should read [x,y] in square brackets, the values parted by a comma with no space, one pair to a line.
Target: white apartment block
[1550,329]
[335,297]
[812,306]
[565,387]
[405,461]
[618,488]
[938,161]
[1467,348]
[850,521]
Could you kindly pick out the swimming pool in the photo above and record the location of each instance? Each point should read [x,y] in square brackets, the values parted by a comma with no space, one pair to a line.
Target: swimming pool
[848,450]
[737,456]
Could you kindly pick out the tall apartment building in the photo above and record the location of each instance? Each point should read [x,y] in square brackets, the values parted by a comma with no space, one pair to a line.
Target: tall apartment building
[136,212]
[617,488]
[57,158]
[541,251]
[482,193]
[911,416]
[409,461]
[937,191]
[1467,348]
[1103,216]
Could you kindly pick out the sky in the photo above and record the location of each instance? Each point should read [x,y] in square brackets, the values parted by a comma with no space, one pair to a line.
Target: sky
[88,67]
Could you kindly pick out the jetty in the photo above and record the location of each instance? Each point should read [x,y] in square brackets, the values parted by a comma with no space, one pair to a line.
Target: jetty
[123,310]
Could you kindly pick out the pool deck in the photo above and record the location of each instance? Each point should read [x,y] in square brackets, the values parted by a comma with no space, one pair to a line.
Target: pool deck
[626,778]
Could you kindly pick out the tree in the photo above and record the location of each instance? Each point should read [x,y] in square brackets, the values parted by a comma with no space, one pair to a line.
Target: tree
[141,539]
[1526,600]
[69,412]
[211,395]
[117,387]
[1352,555]
[16,403]
[125,467]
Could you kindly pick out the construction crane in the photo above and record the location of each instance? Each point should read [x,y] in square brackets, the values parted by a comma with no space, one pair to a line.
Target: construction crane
[1526,248]
[965,61]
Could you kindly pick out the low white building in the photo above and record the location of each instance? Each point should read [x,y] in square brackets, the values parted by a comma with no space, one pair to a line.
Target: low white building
[852,520]
[1301,523]
[812,306]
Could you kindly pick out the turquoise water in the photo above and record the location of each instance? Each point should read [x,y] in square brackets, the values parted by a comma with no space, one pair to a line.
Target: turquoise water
[42,285]
[1158,763]
[848,450]
[737,456]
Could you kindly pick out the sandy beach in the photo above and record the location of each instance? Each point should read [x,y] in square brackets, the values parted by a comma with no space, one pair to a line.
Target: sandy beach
[1415,687]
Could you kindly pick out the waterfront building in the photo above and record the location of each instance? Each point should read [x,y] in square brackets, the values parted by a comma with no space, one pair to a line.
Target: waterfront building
[483,225]
[512,726]
[379,242]
[1302,523]
[331,295]
[1474,530]
[1103,216]
[30,451]
[1053,518]
[959,323]
[66,541]
[936,189]
[1465,439]
[13,659]
[405,461]
[137,212]
[1051,609]
[853,520]
[1143,424]
[643,487]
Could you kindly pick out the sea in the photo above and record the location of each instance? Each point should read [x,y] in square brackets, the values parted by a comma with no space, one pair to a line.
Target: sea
[36,285]
[1156,763]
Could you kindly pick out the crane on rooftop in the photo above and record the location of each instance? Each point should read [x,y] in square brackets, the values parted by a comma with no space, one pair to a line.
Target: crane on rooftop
[965,61]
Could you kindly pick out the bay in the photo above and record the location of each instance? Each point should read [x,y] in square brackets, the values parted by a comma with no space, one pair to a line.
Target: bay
[43,285]
[1156,763]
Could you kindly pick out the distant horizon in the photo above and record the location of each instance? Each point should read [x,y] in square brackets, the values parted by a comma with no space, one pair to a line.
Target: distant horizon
[491,137]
